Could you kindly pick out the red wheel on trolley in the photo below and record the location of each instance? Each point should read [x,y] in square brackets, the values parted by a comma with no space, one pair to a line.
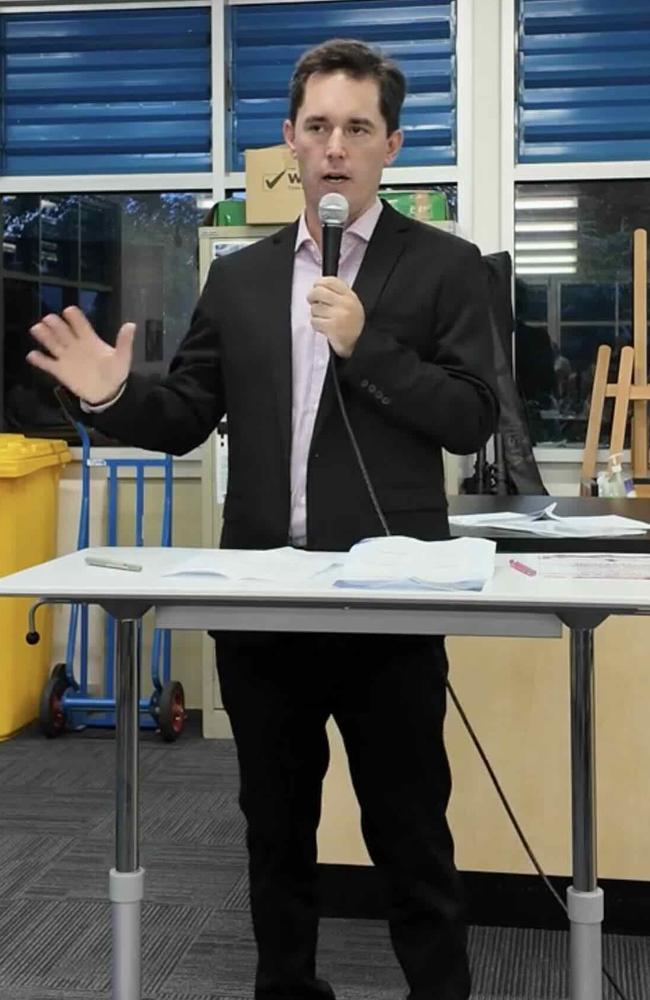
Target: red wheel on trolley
[51,714]
[171,711]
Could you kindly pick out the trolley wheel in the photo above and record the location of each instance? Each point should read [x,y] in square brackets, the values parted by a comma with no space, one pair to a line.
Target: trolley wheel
[51,716]
[171,711]
[59,670]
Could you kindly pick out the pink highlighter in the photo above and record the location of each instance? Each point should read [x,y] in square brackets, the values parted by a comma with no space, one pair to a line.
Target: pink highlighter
[522,567]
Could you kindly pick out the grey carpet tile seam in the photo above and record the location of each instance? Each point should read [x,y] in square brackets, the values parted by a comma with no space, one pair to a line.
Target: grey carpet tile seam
[195,874]
[238,897]
[48,994]
[65,813]
[59,774]
[506,962]
[23,864]
[628,960]
[199,817]
[74,945]
[160,961]
[23,960]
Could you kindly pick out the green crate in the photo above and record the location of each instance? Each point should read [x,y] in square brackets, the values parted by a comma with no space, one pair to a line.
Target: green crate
[231,212]
[427,206]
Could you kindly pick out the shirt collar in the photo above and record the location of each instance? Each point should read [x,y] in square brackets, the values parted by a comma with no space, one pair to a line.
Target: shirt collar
[363,227]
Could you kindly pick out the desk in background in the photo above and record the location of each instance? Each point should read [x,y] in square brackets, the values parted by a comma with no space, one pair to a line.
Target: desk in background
[518,541]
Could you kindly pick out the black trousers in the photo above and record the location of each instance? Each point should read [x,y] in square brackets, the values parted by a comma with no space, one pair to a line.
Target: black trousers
[387,695]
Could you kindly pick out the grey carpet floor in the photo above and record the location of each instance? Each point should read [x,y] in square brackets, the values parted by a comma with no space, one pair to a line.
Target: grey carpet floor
[56,846]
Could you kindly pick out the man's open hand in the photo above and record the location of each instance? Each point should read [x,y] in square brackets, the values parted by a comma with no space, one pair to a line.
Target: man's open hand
[79,359]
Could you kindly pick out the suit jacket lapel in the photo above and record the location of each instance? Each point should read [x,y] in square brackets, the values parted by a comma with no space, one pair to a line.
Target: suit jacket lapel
[274,294]
[384,250]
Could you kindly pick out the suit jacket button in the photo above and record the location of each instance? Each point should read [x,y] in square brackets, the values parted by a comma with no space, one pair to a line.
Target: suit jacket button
[385,400]
[380,396]
[372,389]
[364,383]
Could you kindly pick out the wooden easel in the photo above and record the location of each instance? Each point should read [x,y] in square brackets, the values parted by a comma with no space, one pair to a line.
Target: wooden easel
[630,386]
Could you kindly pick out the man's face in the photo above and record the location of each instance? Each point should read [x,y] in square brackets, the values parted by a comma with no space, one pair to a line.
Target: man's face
[340,140]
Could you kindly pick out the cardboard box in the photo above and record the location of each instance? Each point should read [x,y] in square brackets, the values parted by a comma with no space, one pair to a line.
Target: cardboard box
[273,188]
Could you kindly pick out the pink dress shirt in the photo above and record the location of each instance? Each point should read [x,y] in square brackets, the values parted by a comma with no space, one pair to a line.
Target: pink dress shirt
[310,352]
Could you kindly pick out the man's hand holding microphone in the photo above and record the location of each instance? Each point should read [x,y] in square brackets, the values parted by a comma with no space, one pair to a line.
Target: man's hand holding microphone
[336,310]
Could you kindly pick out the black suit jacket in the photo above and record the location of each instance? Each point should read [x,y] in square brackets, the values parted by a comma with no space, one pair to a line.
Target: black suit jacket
[420,378]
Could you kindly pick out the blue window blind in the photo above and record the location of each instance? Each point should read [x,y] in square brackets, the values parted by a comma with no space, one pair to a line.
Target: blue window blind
[105,92]
[265,42]
[584,80]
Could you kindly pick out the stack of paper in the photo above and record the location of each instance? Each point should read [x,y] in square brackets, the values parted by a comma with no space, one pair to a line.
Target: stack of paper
[378,563]
[546,523]
[406,563]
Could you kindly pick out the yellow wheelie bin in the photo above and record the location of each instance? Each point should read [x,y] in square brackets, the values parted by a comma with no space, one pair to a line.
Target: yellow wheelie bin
[29,499]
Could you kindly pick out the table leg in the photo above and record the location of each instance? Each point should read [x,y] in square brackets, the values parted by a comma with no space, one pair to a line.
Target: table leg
[584,898]
[126,880]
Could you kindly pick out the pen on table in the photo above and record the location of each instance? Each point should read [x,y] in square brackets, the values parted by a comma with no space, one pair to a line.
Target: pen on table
[522,567]
[111,564]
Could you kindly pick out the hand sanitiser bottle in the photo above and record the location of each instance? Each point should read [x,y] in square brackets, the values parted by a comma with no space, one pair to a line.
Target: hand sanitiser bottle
[618,484]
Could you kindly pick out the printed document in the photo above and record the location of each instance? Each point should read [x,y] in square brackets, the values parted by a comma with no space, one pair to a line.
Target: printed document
[592,565]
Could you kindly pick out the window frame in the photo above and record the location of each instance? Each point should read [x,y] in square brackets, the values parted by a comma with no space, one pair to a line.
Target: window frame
[218,181]
[458,173]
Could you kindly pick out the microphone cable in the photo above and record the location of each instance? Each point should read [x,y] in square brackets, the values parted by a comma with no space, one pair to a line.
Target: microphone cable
[459,708]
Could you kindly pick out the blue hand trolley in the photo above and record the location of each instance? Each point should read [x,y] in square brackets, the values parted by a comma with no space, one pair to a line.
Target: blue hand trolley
[65,701]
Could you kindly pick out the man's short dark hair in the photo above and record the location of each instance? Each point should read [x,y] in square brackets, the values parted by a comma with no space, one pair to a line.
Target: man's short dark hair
[358,61]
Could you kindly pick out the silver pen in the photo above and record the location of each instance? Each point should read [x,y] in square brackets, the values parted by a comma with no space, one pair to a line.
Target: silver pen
[111,564]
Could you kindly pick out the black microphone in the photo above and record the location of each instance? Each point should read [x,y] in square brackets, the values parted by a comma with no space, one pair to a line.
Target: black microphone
[333,211]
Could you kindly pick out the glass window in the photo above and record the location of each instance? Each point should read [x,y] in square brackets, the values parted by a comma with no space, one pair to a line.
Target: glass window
[573,273]
[118,257]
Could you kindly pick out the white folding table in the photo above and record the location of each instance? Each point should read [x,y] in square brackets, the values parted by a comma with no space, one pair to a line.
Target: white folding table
[510,605]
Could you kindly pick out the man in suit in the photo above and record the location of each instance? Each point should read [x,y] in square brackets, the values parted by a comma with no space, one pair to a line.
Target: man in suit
[406,323]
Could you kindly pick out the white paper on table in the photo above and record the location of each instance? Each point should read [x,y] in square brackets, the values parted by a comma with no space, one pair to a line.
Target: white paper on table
[395,562]
[545,523]
[592,565]
[283,565]
[501,518]
[407,563]
[608,525]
